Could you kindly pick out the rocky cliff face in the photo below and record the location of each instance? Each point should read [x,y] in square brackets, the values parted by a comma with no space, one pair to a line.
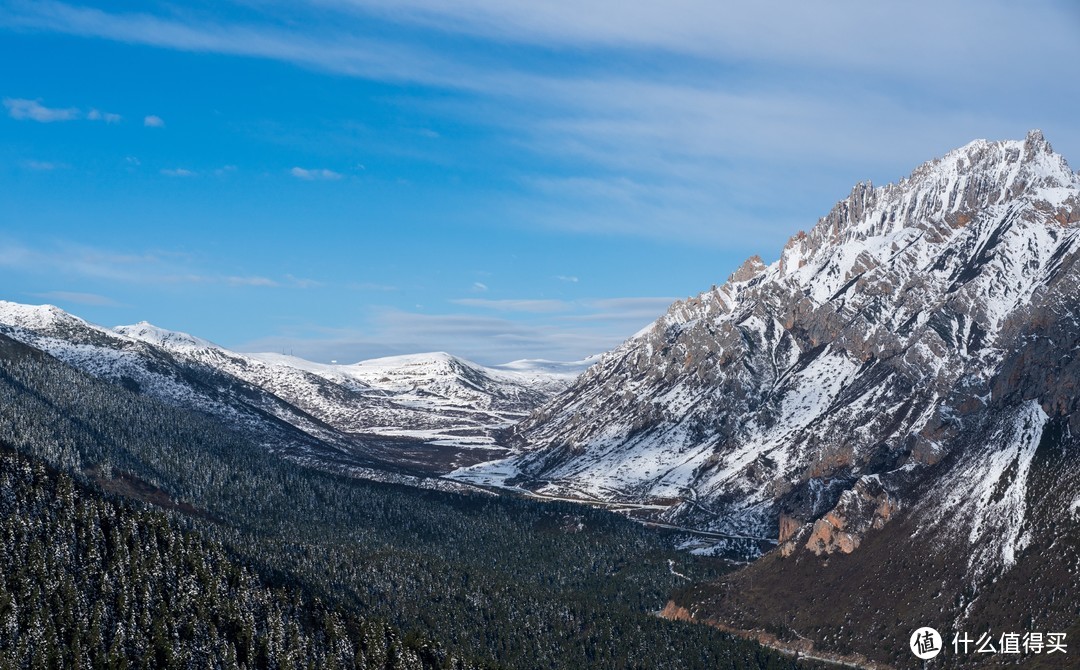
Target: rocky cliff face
[901,331]
[893,401]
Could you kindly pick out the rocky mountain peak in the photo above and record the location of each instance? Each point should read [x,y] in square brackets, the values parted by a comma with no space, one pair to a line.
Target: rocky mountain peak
[750,268]
[944,195]
[881,349]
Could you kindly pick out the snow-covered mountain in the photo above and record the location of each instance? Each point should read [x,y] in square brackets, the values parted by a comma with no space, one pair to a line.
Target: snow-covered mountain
[895,336]
[433,397]
[420,414]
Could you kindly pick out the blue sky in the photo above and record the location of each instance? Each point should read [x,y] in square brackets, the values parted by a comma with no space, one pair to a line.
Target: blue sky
[345,179]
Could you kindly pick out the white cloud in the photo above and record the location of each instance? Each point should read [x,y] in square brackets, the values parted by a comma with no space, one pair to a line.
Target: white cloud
[44,166]
[567,278]
[535,306]
[33,110]
[250,281]
[177,172]
[638,311]
[555,330]
[301,282]
[371,286]
[153,121]
[69,260]
[107,117]
[73,260]
[91,299]
[485,339]
[312,175]
[23,109]
[839,34]
[816,93]
[479,287]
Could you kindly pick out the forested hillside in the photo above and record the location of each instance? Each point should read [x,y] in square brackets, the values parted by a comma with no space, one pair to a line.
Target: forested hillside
[511,582]
[88,582]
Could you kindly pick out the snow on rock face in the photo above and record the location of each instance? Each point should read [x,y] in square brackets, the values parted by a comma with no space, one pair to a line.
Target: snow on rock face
[890,341]
[168,339]
[434,398]
[986,497]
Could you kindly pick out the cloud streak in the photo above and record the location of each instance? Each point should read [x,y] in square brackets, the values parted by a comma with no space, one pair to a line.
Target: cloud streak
[554,329]
[81,262]
[22,109]
[532,306]
[321,174]
[670,149]
[44,166]
[107,117]
[78,298]
[485,339]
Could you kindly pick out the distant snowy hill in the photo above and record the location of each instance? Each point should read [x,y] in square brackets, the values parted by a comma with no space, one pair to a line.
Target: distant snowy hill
[413,415]
[432,397]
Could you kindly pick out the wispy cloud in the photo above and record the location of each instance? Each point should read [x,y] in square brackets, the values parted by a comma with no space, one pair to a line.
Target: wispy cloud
[107,117]
[479,287]
[250,281]
[485,339]
[535,306]
[23,109]
[125,268]
[567,278]
[554,329]
[177,172]
[809,89]
[301,282]
[316,174]
[637,311]
[785,32]
[343,52]
[688,147]
[32,110]
[153,121]
[83,261]
[371,286]
[90,299]
[44,166]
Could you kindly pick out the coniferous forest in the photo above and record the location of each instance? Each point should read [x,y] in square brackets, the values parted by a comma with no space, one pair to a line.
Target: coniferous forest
[89,582]
[223,555]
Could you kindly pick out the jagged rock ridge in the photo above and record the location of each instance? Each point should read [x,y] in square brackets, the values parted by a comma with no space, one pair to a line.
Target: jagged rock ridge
[893,403]
[833,380]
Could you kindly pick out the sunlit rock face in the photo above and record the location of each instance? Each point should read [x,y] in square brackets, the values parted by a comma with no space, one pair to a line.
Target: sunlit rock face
[904,356]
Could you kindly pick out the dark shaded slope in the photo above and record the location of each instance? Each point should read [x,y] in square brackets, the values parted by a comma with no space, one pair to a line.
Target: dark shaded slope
[91,582]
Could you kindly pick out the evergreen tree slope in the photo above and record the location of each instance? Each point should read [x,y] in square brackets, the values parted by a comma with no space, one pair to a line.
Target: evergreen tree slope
[88,582]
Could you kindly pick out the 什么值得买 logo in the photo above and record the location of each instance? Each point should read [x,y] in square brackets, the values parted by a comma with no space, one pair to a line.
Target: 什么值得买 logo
[925,643]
